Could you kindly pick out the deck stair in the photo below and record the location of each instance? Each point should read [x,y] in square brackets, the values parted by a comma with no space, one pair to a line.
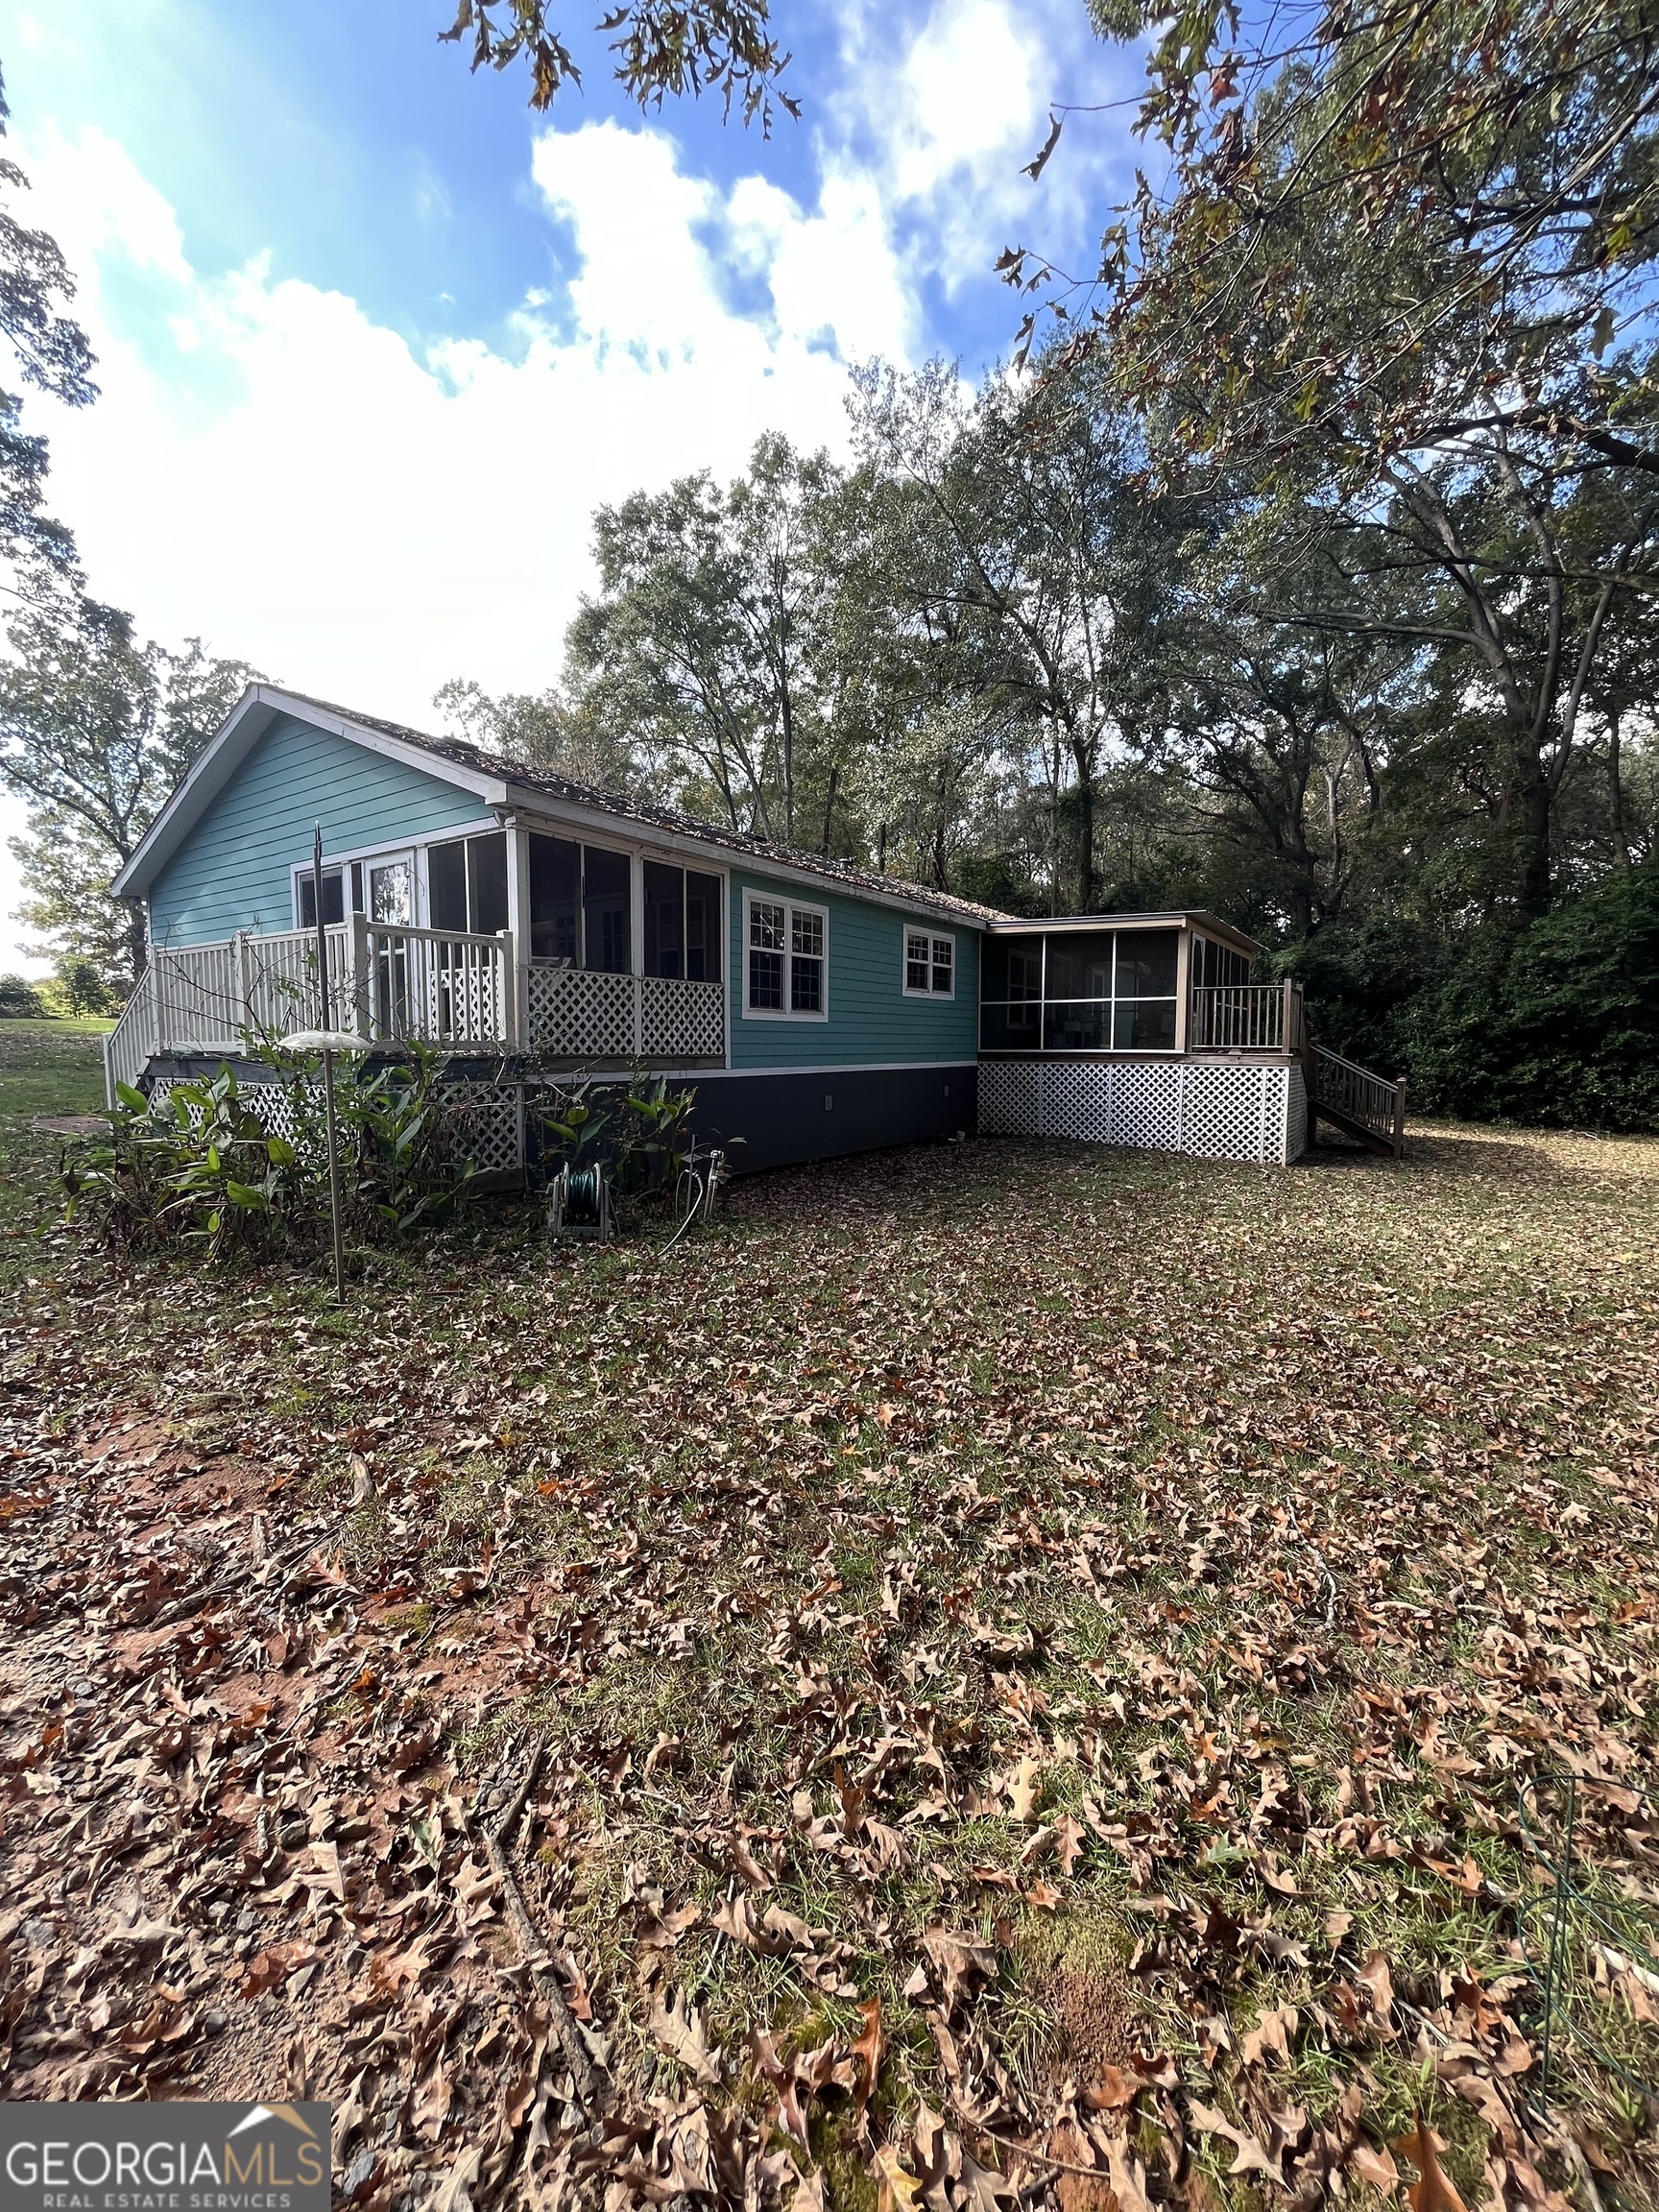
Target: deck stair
[1363,1105]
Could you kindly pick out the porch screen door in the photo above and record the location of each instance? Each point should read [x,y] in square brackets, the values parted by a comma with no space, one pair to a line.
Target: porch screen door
[392,907]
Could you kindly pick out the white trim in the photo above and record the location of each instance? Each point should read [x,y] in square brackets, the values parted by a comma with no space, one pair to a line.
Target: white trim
[933,937]
[791,907]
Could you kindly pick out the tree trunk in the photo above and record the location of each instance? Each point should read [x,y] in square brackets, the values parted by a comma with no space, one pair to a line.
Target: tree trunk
[138,945]
[1085,829]
[1616,795]
[1529,831]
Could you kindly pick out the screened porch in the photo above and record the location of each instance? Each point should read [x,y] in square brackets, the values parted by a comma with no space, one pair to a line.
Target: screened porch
[1175,985]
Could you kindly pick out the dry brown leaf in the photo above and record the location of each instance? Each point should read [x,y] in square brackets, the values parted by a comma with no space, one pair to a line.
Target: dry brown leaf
[867,2051]
[677,2027]
[1375,2166]
[961,1963]
[1432,2190]
[1270,2038]
[897,2190]
[1251,2158]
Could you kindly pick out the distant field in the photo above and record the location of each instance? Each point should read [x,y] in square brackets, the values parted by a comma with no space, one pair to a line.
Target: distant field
[51,1066]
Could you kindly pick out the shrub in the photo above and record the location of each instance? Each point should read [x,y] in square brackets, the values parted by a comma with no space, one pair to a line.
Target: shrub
[1553,1021]
[201,1166]
[19,1000]
[1557,1022]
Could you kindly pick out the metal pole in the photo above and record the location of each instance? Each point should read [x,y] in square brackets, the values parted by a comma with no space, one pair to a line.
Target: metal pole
[327,1024]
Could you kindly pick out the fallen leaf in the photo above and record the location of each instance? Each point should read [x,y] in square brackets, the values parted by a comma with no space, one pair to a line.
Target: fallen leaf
[1432,2190]
[678,2026]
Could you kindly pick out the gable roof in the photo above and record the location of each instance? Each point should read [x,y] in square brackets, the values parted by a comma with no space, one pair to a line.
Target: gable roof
[505,785]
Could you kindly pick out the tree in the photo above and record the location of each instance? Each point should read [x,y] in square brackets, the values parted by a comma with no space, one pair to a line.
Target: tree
[1385,226]
[50,353]
[543,730]
[1036,538]
[664,48]
[95,730]
[712,640]
[79,985]
[19,1000]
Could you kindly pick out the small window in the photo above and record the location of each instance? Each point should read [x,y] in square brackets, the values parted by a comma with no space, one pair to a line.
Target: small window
[929,964]
[786,960]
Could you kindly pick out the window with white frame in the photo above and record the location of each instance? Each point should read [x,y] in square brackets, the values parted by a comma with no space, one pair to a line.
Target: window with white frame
[786,959]
[929,964]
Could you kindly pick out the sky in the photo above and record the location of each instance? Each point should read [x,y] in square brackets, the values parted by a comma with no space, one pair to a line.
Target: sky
[375,339]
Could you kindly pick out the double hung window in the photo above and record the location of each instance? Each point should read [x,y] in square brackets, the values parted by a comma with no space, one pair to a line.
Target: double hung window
[786,959]
[929,964]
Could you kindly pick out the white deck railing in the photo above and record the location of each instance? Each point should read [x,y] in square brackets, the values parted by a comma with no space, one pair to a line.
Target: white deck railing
[1246,1017]
[460,992]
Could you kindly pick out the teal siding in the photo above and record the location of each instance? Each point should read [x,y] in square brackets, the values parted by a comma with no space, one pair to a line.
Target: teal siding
[871,1021]
[232,872]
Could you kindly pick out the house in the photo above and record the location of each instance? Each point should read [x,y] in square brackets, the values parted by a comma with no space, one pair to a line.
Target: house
[528,929]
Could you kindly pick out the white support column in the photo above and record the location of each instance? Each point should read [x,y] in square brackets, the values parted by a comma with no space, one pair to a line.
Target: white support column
[636,945]
[360,975]
[518,927]
[1183,986]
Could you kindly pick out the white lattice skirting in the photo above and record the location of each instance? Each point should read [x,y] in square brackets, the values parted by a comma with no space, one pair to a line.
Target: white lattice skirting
[1216,1112]
[489,1118]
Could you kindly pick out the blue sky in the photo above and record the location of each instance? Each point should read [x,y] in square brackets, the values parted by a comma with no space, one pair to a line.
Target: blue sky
[375,339]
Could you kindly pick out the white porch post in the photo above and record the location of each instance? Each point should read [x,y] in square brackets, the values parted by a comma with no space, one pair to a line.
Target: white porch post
[636,947]
[517,983]
[359,977]
[1183,986]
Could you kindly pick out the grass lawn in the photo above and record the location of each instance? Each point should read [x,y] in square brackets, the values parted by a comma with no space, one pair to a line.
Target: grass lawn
[1039,1657]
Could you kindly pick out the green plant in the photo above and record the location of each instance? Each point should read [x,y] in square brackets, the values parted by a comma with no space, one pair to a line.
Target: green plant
[197,1165]
[201,1166]
[19,999]
[568,1120]
[652,1145]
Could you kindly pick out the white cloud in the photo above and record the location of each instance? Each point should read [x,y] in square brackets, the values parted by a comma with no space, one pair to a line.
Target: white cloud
[271,470]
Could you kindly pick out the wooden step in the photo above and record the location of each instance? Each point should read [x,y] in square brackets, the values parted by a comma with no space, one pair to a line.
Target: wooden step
[1318,1111]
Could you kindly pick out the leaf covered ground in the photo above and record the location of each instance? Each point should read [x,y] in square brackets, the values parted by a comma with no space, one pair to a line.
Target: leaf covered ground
[1001,1675]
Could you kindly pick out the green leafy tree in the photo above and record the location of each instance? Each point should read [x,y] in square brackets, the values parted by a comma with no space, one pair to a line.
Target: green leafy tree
[95,730]
[49,354]
[713,640]
[543,730]
[79,985]
[1385,228]
[1035,534]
